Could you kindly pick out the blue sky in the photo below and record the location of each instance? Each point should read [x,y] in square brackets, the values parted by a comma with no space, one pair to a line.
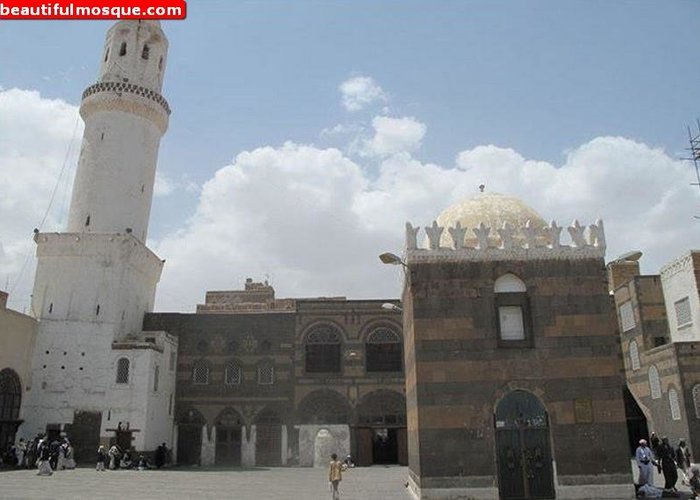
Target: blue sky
[539,78]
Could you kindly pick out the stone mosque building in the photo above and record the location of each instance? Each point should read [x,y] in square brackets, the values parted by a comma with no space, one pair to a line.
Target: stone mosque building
[499,373]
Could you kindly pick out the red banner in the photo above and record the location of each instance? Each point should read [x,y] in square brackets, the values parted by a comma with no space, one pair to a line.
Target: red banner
[95,9]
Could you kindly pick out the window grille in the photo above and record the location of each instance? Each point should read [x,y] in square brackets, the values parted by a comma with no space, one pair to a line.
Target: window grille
[654,383]
[322,350]
[674,404]
[696,400]
[383,351]
[233,374]
[627,316]
[683,315]
[634,355]
[266,374]
[200,373]
[123,371]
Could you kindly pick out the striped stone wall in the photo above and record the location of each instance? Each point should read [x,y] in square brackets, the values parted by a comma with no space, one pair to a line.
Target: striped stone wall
[456,370]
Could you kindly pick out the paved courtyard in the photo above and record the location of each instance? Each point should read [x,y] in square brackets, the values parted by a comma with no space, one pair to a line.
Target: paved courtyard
[367,483]
[305,483]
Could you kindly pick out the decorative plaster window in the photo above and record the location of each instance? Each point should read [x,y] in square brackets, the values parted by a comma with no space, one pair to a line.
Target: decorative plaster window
[145,52]
[266,374]
[383,351]
[696,400]
[200,373]
[683,315]
[123,371]
[634,355]
[627,316]
[673,403]
[156,373]
[322,350]
[233,374]
[654,382]
[512,310]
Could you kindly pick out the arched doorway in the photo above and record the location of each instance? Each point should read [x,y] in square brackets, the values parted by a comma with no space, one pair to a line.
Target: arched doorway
[523,449]
[381,430]
[228,438]
[189,437]
[268,441]
[10,401]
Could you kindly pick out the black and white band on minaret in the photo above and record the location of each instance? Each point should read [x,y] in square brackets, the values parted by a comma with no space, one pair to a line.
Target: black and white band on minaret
[125,117]
[93,368]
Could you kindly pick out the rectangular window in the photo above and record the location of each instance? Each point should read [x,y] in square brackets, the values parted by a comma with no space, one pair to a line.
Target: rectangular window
[683,316]
[156,374]
[266,375]
[627,316]
[173,353]
[511,321]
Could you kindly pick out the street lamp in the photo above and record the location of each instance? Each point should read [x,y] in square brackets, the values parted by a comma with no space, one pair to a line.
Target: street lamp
[393,259]
[391,307]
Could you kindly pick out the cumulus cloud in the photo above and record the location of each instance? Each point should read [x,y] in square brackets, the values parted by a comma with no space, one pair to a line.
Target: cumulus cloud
[38,137]
[314,219]
[359,92]
[394,135]
[164,185]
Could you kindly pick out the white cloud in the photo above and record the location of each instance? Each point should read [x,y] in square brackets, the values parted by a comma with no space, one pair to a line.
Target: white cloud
[359,92]
[315,220]
[394,135]
[37,137]
[164,185]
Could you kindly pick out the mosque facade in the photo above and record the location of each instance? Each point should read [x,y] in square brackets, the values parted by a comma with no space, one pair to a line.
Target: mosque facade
[499,372]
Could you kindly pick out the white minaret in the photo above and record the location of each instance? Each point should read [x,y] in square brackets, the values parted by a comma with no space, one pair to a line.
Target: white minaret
[93,367]
[125,117]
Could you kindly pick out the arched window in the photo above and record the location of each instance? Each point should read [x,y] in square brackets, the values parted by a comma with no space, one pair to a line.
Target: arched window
[122,49]
[123,371]
[232,375]
[634,355]
[696,400]
[322,350]
[512,309]
[10,396]
[266,374]
[674,404]
[654,383]
[383,351]
[145,52]
[200,373]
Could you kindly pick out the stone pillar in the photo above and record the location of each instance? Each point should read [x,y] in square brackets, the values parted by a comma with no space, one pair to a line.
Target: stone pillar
[285,451]
[208,447]
[248,446]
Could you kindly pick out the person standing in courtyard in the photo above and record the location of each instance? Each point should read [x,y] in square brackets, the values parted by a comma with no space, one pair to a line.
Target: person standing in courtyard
[668,464]
[645,462]
[335,475]
[101,457]
[44,451]
[683,458]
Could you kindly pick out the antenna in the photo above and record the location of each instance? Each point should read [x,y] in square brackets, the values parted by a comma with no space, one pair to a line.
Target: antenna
[694,139]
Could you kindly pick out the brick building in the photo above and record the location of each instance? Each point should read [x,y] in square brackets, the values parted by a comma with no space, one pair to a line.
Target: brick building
[266,381]
[513,373]
[660,333]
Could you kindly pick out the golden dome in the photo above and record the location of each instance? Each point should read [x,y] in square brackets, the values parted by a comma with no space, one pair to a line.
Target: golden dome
[493,209]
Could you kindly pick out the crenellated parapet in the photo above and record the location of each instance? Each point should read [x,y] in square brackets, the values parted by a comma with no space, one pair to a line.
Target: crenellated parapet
[483,243]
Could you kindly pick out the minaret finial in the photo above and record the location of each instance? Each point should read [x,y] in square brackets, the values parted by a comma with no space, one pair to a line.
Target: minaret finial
[482,187]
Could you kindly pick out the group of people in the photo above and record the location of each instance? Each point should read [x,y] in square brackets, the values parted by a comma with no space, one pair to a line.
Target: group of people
[48,455]
[661,455]
[115,458]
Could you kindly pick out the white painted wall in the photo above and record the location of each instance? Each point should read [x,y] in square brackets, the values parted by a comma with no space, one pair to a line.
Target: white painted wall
[678,281]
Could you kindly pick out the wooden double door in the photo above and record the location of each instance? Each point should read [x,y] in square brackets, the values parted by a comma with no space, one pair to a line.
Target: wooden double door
[523,449]
[228,446]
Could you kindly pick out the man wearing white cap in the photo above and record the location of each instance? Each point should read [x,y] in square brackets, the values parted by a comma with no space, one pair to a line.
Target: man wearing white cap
[645,461]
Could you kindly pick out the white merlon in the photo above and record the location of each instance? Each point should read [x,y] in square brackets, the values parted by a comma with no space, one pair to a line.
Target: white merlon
[512,243]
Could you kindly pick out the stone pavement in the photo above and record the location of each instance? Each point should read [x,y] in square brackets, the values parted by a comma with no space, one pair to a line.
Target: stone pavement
[366,483]
[305,483]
